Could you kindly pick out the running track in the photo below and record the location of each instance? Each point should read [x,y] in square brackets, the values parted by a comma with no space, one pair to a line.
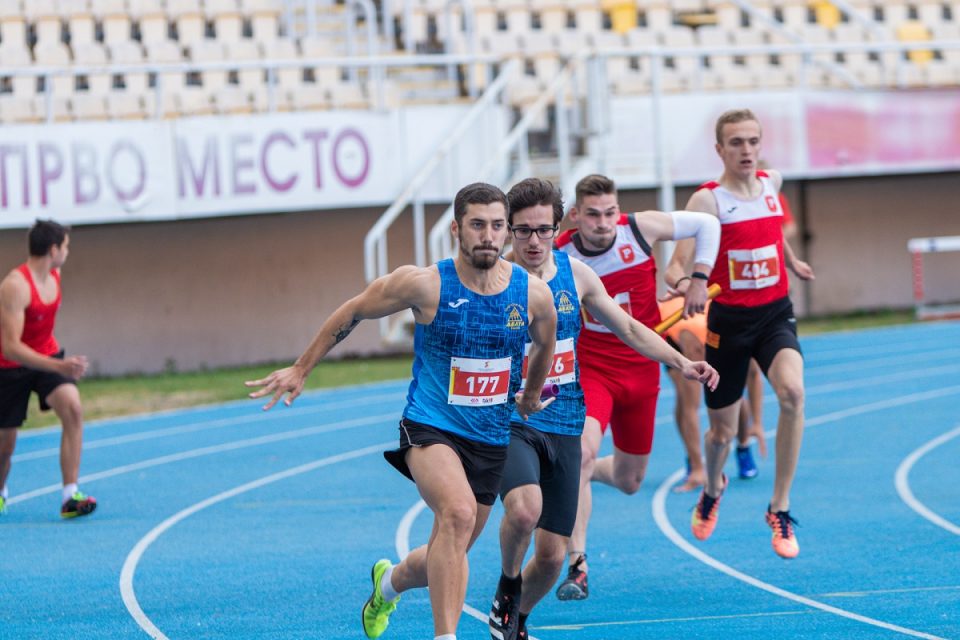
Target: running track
[228,522]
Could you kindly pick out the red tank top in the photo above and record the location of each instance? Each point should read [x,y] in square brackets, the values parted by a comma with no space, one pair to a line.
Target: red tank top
[38,320]
[750,265]
[629,274]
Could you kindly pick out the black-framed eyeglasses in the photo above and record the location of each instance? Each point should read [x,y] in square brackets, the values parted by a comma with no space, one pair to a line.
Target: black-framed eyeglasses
[524,233]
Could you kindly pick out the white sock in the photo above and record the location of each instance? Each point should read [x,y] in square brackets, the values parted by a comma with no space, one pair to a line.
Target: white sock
[3,492]
[386,586]
[446,636]
[69,490]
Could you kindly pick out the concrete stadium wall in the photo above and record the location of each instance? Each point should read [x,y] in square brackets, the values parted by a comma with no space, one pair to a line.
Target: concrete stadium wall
[227,291]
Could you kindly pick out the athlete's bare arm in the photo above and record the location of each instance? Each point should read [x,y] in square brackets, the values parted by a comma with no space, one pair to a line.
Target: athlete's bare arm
[14,300]
[408,287]
[542,319]
[636,335]
[694,290]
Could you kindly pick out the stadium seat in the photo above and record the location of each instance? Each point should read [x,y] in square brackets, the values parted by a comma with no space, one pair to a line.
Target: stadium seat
[13,24]
[166,52]
[516,14]
[47,23]
[80,22]
[56,55]
[542,48]
[657,15]
[58,107]
[169,105]
[126,105]
[152,17]
[313,48]
[347,95]
[728,15]
[264,19]
[14,109]
[129,52]
[227,19]
[94,55]
[88,105]
[623,14]
[114,19]
[553,14]
[588,16]
[826,13]
[190,20]
[794,14]
[15,57]
[915,31]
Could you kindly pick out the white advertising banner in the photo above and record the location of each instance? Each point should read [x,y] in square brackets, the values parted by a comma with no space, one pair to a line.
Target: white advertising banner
[212,166]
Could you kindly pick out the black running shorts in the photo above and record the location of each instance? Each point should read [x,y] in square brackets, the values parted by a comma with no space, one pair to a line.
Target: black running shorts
[482,463]
[551,461]
[737,334]
[16,386]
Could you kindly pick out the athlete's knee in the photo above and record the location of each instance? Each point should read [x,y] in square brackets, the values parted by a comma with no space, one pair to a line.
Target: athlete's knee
[70,413]
[459,518]
[629,482]
[720,435]
[791,396]
[524,518]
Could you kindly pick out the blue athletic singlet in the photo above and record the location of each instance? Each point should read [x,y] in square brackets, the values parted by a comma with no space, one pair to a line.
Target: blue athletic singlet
[466,366]
[566,414]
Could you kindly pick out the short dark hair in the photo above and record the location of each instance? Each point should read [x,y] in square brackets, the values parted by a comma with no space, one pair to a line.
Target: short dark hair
[594,185]
[476,193]
[733,116]
[45,234]
[533,191]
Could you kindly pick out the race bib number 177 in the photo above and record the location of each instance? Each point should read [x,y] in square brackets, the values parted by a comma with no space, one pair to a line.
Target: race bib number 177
[475,382]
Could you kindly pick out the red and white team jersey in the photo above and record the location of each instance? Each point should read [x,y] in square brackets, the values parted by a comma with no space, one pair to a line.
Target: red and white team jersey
[629,274]
[750,266]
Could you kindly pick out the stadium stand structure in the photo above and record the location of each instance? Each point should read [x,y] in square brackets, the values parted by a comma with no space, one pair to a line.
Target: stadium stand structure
[66,60]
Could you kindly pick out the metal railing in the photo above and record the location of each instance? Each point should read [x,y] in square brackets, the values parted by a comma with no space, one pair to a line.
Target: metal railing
[375,242]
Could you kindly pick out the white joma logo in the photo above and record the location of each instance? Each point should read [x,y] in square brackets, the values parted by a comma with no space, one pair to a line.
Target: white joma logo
[460,301]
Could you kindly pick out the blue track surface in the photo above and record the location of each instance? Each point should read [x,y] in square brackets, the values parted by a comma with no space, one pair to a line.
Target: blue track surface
[227,522]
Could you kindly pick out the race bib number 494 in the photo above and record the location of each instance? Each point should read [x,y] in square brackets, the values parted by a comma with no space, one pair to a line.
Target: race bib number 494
[475,382]
[754,268]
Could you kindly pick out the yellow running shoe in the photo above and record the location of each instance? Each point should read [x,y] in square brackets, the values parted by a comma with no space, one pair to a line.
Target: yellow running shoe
[377,610]
[704,518]
[784,540]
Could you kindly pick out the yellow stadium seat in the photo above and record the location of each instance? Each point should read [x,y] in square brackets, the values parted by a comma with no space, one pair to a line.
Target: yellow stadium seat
[827,14]
[914,31]
[623,14]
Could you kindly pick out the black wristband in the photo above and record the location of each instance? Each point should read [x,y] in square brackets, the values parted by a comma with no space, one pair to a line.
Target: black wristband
[699,276]
[679,280]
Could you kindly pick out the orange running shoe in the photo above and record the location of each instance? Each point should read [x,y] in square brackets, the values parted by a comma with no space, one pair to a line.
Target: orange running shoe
[704,518]
[784,541]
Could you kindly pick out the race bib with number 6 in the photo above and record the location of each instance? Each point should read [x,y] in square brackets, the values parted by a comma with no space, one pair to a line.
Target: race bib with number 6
[563,370]
[475,382]
[754,268]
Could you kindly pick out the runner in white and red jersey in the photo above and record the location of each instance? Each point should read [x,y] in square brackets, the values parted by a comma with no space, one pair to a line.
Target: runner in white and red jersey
[751,318]
[620,386]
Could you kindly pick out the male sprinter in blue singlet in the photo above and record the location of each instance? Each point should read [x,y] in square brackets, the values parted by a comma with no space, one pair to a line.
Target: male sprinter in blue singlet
[542,475]
[474,314]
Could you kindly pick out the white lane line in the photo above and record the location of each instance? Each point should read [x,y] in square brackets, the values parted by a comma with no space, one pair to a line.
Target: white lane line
[663,522]
[194,427]
[871,592]
[142,417]
[205,451]
[402,544]
[660,517]
[133,558]
[902,482]
[620,623]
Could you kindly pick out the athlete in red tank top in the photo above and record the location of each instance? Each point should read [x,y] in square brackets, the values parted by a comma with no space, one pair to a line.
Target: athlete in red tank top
[31,361]
[752,318]
[620,386]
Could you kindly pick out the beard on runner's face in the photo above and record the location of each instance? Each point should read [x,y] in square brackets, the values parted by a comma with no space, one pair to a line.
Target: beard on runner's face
[482,256]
